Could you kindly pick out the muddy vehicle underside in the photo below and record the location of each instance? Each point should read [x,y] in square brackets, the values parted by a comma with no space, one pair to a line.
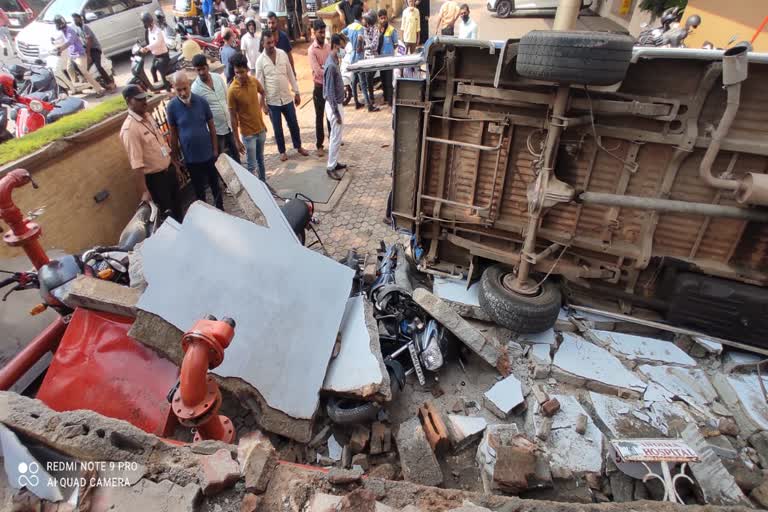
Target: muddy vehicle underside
[626,213]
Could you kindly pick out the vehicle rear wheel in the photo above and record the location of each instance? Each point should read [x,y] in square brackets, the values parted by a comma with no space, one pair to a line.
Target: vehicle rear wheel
[589,58]
[520,313]
[504,8]
[347,94]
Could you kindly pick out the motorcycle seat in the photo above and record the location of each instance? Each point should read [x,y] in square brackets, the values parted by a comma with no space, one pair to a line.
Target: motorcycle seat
[42,96]
[65,107]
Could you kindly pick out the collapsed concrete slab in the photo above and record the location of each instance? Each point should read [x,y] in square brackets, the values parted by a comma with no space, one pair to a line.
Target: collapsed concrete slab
[743,396]
[689,385]
[465,301]
[492,353]
[358,371]
[717,485]
[580,362]
[618,418]
[98,438]
[465,430]
[146,495]
[542,338]
[709,346]
[641,348]
[541,358]
[504,397]
[295,329]
[417,460]
[570,452]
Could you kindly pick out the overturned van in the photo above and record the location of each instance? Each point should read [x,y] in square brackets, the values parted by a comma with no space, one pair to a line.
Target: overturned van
[574,166]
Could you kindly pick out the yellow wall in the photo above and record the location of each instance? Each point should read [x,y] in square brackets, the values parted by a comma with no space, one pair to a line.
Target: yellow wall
[72,220]
[720,20]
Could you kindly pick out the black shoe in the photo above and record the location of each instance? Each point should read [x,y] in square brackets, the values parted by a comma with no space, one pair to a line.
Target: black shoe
[340,167]
[358,105]
[373,108]
[333,174]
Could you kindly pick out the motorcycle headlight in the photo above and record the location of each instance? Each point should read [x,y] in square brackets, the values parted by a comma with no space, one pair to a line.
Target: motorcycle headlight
[36,106]
[431,350]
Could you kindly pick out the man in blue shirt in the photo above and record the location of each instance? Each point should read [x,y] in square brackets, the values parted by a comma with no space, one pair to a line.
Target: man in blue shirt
[282,42]
[207,8]
[387,44]
[354,32]
[226,53]
[193,135]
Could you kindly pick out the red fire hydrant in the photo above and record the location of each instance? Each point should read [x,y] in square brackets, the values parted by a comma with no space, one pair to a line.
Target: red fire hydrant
[23,232]
[197,401]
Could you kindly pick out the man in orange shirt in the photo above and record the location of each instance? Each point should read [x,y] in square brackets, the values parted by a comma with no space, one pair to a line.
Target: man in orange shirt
[318,53]
[246,100]
[149,155]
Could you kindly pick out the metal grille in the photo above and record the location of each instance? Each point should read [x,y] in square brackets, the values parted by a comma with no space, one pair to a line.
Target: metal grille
[28,50]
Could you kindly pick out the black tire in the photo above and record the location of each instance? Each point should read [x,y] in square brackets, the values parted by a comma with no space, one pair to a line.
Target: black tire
[347,94]
[504,8]
[344,411]
[589,58]
[519,313]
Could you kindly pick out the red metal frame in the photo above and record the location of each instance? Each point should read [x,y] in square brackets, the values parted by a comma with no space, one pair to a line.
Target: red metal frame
[45,342]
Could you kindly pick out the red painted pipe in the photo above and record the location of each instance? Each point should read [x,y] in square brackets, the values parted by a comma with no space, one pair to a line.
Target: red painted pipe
[194,373]
[759,29]
[23,232]
[45,342]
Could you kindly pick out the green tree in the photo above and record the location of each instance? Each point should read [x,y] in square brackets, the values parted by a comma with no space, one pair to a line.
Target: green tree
[657,7]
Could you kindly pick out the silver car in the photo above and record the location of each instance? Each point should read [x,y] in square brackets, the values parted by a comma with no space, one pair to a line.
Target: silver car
[116,23]
[506,8]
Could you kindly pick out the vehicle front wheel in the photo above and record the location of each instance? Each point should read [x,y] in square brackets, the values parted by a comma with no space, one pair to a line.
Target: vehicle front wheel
[504,8]
[347,94]
[523,314]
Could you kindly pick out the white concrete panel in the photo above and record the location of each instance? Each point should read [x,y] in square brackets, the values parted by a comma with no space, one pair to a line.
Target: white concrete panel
[456,290]
[644,348]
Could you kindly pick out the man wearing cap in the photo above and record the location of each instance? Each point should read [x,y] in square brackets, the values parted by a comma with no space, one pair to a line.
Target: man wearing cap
[149,155]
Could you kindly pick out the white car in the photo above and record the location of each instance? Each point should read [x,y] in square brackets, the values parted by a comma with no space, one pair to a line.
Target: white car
[116,23]
[506,8]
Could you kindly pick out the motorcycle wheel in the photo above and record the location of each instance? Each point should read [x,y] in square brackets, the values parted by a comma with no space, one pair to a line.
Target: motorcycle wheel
[347,94]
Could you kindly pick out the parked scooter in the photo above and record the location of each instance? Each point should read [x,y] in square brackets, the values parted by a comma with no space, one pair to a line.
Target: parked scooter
[32,113]
[34,79]
[139,74]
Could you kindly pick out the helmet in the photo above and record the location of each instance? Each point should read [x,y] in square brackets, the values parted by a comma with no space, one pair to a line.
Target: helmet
[7,85]
[250,20]
[693,21]
[232,18]
[159,14]
[146,17]
[59,21]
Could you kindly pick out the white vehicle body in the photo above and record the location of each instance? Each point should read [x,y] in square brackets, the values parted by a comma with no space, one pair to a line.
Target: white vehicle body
[116,23]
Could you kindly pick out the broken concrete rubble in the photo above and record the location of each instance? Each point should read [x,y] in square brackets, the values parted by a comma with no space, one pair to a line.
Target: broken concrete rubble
[146,496]
[257,467]
[465,430]
[359,370]
[381,438]
[541,359]
[717,485]
[418,461]
[338,476]
[580,362]
[641,348]
[492,353]
[288,360]
[690,385]
[744,398]
[515,463]
[504,397]
[217,472]
[465,301]
[100,295]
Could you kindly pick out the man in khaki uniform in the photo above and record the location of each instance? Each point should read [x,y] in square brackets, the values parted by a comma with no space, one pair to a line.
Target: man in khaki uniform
[149,155]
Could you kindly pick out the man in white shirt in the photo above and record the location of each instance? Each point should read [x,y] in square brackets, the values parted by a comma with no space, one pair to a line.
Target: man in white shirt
[156,45]
[467,26]
[273,70]
[250,44]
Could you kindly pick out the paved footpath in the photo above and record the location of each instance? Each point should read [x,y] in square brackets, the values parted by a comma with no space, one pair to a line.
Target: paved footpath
[356,221]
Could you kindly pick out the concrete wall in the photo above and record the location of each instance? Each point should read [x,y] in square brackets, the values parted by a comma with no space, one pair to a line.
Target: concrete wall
[721,20]
[70,174]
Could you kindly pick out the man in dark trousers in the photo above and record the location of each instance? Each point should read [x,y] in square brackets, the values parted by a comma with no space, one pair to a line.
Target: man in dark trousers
[193,135]
[318,53]
[149,155]
[92,49]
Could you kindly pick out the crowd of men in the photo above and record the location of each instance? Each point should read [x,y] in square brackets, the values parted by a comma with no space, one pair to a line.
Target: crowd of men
[215,114]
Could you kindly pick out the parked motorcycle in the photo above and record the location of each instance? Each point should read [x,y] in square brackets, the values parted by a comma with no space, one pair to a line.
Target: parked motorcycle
[139,74]
[107,263]
[34,79]
[669,34]
[209,48]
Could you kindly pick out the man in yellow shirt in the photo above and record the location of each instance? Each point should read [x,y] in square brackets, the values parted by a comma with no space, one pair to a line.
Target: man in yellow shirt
[245,98]
[449,13]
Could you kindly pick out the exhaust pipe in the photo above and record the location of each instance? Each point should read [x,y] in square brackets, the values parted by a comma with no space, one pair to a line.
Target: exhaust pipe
[752,188]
